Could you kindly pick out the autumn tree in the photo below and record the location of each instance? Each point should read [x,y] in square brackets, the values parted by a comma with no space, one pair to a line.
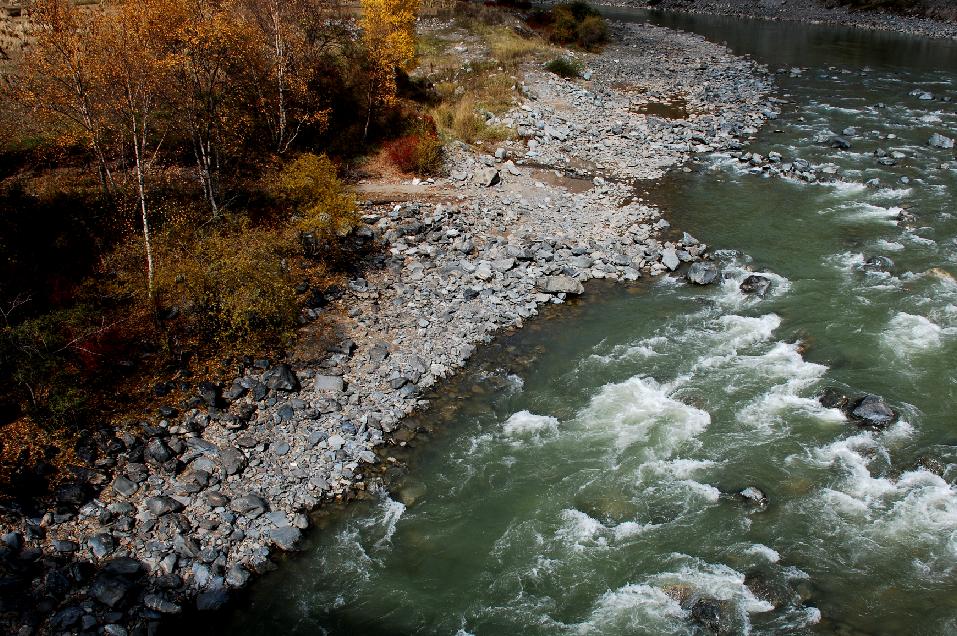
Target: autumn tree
[212,44]
[138,67]
[291,37]
[388,34]
[61,80]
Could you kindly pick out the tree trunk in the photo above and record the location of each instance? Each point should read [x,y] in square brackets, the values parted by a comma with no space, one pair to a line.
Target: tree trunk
[141,185]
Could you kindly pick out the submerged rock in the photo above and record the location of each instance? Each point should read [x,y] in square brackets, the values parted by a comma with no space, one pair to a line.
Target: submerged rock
[754,495]
[707,613]
[878,264]
[833,398]
[937,140]
[756,285]
[871,410]
[703,273]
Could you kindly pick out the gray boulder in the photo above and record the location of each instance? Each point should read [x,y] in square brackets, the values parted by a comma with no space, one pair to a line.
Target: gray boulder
[669,258]
[703,273]
[756,285]
[486,177]
[285,537]
[939,141]
[281,378]
[871,410]
[560,285]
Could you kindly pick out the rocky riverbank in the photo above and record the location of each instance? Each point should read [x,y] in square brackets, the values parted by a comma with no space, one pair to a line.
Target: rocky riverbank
[196,504]
[811,11]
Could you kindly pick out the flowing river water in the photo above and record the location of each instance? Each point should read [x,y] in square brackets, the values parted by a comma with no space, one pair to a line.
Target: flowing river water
[581,477]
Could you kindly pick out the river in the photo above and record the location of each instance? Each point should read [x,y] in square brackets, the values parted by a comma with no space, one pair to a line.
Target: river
[581,477]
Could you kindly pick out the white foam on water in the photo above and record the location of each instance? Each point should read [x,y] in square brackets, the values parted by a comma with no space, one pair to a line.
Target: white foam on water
[733,275]
[868,211]
[392,511]
[912,518]
[635,609]
[580,531]
[908,334]
[889,246]
[783,361]
[891,193]
[715,580]
[641,410]
[843,188]
[846,261]
[525,425]
[768,554]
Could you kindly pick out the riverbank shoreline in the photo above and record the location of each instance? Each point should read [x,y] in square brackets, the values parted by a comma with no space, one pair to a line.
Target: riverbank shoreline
[198,504]
[803,11]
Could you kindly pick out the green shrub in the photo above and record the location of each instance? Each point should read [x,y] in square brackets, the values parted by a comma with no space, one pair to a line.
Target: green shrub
[577,23]
[564,67]
[325,208]
[592,32]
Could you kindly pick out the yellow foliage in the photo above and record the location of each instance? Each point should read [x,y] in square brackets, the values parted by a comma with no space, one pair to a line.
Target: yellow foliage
[325,207]
[388,32]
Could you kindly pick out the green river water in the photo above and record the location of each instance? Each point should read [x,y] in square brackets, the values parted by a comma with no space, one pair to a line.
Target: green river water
[580,477]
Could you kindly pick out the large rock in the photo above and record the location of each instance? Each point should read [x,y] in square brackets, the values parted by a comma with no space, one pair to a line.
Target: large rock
[110,590]
[329,384]
[162,505]
[758,285]
[560,285]
[212,600]
[871,410]
[878,264]
[486,177]
[281,378]
[251,505]
[285,537]
[703,273]
[937,140]
[233,460]
[832,398]
[669,258]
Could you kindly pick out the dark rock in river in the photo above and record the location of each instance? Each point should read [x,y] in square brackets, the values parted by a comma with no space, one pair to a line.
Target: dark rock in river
[833,398]
[707,613]
[878,264]
[840,143]
[754,496]
[703,273]
[756,285]
[871,410]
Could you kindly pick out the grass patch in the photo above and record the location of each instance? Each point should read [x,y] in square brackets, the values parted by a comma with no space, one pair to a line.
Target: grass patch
[564,67]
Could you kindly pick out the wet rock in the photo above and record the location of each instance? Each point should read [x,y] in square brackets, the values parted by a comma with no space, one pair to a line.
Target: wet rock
[285,537]
[158,451]
[669,258]
[702,273]
[871,410]
[758,285]
[939,141]
[878,264]
[833,398]
[281,378]
[707,613]
[560,285]
[754,496]
[840,143]
[212,600]
[161,604]
[237,576]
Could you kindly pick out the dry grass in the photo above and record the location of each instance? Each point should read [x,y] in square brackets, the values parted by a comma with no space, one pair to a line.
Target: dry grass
[510,48]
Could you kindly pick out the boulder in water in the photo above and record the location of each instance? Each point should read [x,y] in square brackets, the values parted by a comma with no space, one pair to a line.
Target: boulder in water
[833,398]
[878,264]
[937,140]
[707,613]
[756,285]
[840,143]
[754,496]
[703,273]
[871,410]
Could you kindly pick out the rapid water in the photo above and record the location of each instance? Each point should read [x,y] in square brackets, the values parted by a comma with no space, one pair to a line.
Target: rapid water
[581,479]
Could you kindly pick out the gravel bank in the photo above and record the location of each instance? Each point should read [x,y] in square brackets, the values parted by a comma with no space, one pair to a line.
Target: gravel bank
[811,11]
[195,505]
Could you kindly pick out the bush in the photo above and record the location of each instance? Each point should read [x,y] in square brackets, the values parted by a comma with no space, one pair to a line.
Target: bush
[230,284]
[417,153]
[564,67]
[592,32]
[577,23]
[326,209]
